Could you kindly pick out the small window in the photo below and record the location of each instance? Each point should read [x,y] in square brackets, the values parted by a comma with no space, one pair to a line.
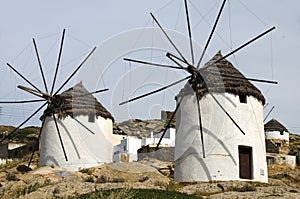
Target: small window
[243,98]
[91,118]
[270,160]
[281,132]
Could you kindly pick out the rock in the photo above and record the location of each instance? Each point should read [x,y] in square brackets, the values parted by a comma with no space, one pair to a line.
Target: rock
[128,172]
[52,181]
[23,168]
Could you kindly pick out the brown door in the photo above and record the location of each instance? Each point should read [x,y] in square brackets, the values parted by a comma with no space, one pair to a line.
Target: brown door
[245,159]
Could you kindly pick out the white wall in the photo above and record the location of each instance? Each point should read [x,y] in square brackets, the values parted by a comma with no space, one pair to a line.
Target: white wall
[129,146]
[12,146]
[283,159]
[277,135]
[132,144]
[168,139]
[4,161]
[221,139]
[83,148]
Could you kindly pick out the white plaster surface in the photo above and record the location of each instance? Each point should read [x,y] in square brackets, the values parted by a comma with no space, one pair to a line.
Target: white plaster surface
[221,139]
[277,135]
[131,144]
[83,149]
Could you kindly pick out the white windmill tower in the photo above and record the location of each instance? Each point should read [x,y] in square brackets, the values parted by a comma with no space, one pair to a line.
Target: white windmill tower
[85,131]
[231,142]
[76,130]
[201,112]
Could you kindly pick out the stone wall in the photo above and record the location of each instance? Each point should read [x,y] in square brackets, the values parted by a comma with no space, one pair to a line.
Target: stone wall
[163,153]
[282,159]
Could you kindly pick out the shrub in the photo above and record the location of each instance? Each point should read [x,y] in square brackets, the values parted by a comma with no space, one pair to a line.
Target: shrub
[89,179]
[102,179]
[27,189]
[87,171]
[172,186]
[118,180]
[245,188]
[143,179]
[23,133]
[136,193]
[11,177]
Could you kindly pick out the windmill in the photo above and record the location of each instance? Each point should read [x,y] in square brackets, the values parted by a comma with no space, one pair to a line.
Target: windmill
[65,124]
[193,161]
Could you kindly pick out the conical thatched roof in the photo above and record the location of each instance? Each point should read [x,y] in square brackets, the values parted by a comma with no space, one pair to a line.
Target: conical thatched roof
[77,101]
[217,80]
[274,125]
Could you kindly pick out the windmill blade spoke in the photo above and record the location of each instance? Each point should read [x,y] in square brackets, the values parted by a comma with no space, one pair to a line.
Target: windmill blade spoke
[21,102]
[252,79]
[189,30]
[168,125]
[40,64]
[220,105]
[152,64]
[268,113]
[36,146]
[265,106]
[60,139]
[58,60]
[155,91]
[169,55]
[211,34]
[29,90]
[33,114]
[244,78]
[76,70]
[84,126]
[174,56]
[246,44]
[200,125]
[23,77]
[169,39]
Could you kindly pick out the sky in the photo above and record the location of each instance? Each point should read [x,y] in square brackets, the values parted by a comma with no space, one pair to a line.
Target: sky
[125,29]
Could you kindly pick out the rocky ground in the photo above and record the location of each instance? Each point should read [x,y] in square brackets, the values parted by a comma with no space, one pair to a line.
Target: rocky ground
[54,182]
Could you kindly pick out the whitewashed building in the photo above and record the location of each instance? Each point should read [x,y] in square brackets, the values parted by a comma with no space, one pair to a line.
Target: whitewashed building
[229,154]
[127,150]
[86,137]
[274,130]
[277,143]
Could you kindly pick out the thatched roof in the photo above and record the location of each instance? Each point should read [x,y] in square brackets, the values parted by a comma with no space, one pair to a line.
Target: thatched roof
[274,125]
[77,101]
[217,80]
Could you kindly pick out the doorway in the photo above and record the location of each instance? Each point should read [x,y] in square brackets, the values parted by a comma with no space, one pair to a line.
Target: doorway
[245,162]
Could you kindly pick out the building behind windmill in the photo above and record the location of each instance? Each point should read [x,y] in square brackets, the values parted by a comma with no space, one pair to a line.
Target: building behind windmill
[277,144]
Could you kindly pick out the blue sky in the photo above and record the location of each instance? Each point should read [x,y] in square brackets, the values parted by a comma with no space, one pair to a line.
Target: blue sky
[92,23]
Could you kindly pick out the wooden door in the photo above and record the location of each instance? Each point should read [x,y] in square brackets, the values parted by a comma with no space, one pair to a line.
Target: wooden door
[245,161]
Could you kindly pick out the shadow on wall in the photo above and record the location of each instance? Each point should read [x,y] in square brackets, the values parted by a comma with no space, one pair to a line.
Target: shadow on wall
[195,152]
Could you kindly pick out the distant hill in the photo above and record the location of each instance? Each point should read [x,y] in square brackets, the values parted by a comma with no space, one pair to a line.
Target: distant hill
[295,146]
[26,134]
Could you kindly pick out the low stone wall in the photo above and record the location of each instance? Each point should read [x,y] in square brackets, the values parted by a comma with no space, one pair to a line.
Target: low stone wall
[282,159]
[163,153]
